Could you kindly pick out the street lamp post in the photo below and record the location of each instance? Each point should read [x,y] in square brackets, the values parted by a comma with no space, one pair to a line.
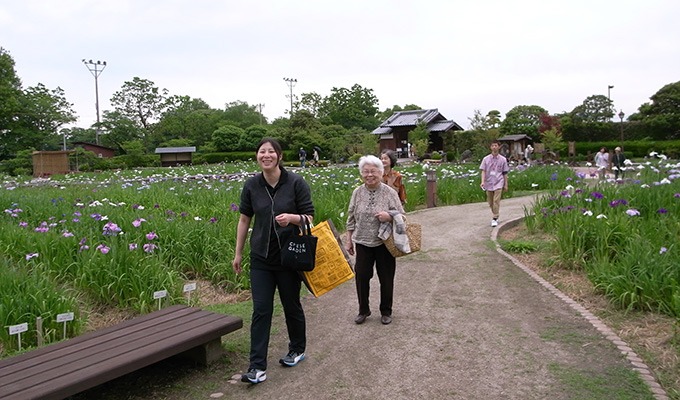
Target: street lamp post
[96,68]
[621,115]
[291,82]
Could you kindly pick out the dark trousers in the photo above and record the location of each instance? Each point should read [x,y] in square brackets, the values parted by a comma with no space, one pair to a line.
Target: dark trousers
[263,284]
[385,265]
[616,172]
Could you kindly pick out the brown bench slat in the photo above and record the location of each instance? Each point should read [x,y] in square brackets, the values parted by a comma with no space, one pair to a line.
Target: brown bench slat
[169,330]
[9,365]
[85,364]
[84,348]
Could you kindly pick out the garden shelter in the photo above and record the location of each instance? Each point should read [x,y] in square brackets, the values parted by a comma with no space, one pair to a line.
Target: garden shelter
[100,151]
[394,131]
[515,145]
[46,163]
[171,156]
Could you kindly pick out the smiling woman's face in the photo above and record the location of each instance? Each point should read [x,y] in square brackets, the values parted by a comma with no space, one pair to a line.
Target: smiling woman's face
[267,157]
[371,175]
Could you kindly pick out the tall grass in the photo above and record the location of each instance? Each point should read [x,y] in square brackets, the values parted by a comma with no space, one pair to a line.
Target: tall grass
[116,238]
[623,234]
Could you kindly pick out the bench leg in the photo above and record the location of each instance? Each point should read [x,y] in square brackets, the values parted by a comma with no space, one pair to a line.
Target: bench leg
[206,353]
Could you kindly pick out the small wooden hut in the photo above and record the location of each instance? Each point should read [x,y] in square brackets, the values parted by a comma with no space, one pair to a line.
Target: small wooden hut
[172,156]
[46,163]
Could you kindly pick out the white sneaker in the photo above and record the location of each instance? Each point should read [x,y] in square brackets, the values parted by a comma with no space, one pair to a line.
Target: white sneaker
[494,222]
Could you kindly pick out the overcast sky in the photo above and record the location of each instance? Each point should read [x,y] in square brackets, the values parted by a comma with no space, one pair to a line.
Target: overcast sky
[454,55]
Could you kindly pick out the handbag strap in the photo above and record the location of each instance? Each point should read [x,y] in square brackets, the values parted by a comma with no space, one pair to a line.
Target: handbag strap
[305,227]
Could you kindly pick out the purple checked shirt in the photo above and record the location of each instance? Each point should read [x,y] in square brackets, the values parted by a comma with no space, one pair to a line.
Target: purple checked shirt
[494,168]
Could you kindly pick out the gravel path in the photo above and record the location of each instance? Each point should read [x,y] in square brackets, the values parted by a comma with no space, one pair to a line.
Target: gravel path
[468,324]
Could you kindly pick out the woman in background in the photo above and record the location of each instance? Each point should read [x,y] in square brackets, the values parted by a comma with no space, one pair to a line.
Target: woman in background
[391,177]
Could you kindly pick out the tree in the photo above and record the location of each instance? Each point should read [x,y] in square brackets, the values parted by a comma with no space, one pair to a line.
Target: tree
[184,118]
[493,118]
[241,114]
[42,112]
[119,129]
[596,108]
[45,110]
[226,137]
[552,140]
[420,139]
[76,134]
[310,102]
[478,122]
[10,95]
[548,122]
[355,107]
[140,101]
[522,120]
[251,137]
[663,113]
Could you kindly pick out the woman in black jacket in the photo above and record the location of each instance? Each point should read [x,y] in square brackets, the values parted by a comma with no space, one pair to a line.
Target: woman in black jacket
[275,198]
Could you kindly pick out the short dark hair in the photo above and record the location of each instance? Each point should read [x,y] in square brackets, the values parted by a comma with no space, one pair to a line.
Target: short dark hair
[392,156]
[498,142]
[275,144]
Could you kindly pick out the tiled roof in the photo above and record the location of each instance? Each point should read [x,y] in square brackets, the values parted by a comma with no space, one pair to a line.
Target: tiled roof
[382,130]
[432,118]
[164,150]
[513,138]
[443,126]
[411,117]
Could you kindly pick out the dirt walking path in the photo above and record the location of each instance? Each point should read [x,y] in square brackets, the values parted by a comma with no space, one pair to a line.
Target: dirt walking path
[468,324]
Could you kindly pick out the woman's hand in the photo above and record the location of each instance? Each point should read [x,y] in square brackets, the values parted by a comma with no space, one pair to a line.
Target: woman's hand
[383,216]
[349,245]
[285,219]
[236,264]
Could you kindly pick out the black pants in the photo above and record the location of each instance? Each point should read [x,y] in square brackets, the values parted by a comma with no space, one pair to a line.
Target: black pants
[616,172]
[385,265]
[263,284]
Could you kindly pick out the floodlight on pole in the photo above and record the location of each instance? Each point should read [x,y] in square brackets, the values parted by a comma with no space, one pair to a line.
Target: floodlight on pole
[291,82]
[621,115]
[96,68]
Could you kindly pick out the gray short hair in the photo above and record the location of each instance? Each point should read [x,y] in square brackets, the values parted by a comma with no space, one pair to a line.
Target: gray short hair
[371,160]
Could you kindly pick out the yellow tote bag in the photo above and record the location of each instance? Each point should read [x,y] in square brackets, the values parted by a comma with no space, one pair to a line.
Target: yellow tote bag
[332,261]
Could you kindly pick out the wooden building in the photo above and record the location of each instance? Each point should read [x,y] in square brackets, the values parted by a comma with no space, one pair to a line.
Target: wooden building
[172,156]
[47,163]
[394,131]
[100,151]
[515,145]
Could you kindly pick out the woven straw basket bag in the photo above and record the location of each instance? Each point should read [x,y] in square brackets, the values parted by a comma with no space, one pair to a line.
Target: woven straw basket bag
[414,233]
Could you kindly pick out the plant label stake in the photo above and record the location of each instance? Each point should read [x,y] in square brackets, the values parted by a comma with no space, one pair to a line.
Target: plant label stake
[188,288]
[160,295]
[17,329]
[65,317]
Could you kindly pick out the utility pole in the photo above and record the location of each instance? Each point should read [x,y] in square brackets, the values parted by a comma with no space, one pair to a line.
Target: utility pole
[259,107]
[291,82]
[96,68]
[609,89]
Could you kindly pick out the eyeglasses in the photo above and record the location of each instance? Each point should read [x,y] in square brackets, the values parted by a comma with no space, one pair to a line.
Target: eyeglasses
[371,172]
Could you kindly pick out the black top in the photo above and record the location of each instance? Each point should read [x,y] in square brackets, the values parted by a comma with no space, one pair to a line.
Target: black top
[263,202]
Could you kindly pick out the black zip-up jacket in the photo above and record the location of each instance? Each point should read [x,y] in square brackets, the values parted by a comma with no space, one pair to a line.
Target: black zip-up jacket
[291,195]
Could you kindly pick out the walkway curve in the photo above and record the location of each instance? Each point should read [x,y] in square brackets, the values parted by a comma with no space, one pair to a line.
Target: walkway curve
[637,363]
[468,324]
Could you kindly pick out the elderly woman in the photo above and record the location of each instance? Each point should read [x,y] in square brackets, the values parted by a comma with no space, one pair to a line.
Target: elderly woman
[391,177]
[372,204]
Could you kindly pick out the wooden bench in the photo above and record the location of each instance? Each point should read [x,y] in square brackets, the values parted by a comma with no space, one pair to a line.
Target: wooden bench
[72,366]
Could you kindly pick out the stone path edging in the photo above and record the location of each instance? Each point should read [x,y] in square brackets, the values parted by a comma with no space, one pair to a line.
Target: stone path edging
[637,363]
